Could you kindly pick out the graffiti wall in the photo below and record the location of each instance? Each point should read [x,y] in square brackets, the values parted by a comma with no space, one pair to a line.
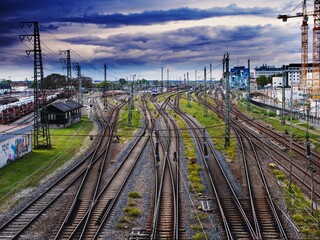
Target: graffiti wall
[14,148]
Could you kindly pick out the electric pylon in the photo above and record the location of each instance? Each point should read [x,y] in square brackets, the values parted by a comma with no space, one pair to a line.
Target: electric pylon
[77,69]
[41,131]
[66,60]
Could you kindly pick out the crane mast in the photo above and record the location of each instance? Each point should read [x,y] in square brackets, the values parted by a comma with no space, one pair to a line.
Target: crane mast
[304,45]
[316,50]
[304,41]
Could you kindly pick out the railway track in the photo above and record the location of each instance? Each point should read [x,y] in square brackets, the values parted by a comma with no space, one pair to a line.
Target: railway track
[166,220]
[297,167]
[28,218]
[266,219]
[233,217]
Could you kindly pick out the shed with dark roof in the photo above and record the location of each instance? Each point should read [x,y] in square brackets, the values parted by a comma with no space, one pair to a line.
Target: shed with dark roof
[63,113]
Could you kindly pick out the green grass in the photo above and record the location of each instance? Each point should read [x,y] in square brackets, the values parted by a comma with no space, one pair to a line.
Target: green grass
[299,208]
[125,131]
[134,195]
[32,168]
[214,126]
[132,211]
[200,236]
[189,153]
[275,122]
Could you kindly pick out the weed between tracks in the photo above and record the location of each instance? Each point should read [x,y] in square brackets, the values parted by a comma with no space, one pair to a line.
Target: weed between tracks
[32,168]
[213,125]
[130,213]
[125,131]
[299,208]
[193,172]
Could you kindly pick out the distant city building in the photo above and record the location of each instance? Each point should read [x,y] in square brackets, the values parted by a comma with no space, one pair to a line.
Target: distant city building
[239,77]
[5,88]
[294,72]
[253,85]
[19,86]
[267,71]
[277,82]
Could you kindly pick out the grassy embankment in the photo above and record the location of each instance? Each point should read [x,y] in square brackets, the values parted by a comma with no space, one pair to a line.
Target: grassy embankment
[125,131]
[275,121]
[32,168]
[299,208]
[214,126]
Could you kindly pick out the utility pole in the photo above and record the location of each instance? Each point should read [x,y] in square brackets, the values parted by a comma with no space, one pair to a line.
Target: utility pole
[227,119]
[41,131]
[66,60]
[77,68]
[161,79]
[284,77]
[187,80]
[195,79]
[248,94]
[130,102]
[210,76]
[105,87]
[205,92]
[308,147]
[168,80]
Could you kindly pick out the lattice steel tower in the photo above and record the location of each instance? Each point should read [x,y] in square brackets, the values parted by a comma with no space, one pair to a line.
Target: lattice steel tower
[67,62]
[316,50]
[41,132]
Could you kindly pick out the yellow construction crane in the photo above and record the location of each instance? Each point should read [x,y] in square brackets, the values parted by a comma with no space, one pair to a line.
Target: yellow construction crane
[314,86]
[304,41]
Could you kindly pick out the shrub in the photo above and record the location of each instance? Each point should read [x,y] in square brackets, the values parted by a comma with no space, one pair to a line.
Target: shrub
[134,195]
[200,236]
[132,211]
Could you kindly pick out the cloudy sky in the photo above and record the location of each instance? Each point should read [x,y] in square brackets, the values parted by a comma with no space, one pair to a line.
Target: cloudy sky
[139,37]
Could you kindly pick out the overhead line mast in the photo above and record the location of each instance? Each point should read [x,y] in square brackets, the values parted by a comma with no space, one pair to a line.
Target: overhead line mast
[41,132]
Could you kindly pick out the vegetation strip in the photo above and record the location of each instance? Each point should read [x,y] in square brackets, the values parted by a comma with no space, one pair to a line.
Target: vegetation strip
[32,168]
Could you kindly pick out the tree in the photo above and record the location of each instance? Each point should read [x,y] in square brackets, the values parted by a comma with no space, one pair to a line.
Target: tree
[122,81]
[54,81]
[263,80]
[5,81]
[87,82]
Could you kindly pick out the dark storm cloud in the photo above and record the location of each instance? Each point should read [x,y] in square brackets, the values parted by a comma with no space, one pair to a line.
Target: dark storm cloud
[82,11]
[197,44]
[163,16]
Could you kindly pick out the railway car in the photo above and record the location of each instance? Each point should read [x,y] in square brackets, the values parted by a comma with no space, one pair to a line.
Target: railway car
[16,109]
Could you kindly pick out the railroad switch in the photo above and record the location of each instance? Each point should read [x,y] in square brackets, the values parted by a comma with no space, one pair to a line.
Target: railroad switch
[206,205]
[138,234]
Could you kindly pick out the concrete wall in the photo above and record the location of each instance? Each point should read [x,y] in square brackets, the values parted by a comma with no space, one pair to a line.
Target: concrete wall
[14,148]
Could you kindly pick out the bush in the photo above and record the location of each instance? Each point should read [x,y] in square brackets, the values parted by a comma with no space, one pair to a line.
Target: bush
[132,211]
[298,218]
[200,236]
[134,195]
